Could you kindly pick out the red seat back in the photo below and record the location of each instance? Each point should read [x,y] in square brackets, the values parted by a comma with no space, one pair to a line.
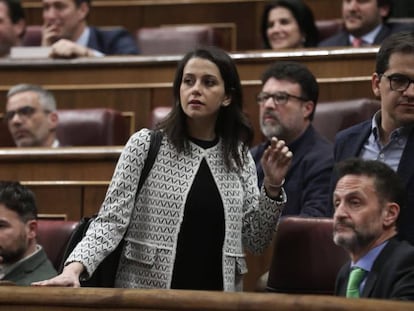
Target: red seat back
[54,235]
[305,259]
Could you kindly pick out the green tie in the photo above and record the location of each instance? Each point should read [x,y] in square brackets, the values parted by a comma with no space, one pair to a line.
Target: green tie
[355,279]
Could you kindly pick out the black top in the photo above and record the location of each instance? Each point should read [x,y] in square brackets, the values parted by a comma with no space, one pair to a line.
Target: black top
[198,262]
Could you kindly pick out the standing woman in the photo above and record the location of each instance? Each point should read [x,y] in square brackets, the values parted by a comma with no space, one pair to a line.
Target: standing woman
[288,24]
[200,205]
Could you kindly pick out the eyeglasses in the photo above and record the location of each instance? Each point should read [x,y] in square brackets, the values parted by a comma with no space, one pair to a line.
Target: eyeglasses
[279,98]
[23,112]
[398,82]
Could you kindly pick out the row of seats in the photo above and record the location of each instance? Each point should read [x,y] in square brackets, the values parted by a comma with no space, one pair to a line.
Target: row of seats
[86,127]
[103,126]
[296,238]
[170,39]
[329,118]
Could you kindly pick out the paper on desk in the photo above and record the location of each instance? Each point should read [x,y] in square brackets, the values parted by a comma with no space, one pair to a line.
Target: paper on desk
[30,52]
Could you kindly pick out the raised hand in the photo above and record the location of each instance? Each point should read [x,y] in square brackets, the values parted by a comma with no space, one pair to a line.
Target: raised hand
[275,162]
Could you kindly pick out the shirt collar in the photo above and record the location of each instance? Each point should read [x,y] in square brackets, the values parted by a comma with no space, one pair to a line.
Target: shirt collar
[368,38]
[55,144]
[375,125]
[367,261]
[84,37]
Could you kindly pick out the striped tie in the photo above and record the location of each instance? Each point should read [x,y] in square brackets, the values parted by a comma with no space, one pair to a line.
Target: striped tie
[356,42]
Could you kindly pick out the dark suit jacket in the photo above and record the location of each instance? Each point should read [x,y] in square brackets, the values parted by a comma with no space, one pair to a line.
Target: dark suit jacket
[307,181]
[391,276]
[36,268]
[349,142]
[115,41]
[342,38]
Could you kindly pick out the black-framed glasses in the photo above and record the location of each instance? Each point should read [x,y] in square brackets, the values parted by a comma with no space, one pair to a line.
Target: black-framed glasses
[23,112]
[398,82]
[279,98]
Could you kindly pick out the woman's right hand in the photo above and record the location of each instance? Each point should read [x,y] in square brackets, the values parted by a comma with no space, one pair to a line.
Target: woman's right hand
[69,277]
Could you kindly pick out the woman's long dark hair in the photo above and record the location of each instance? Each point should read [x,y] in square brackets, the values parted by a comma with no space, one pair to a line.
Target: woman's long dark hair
[232,126]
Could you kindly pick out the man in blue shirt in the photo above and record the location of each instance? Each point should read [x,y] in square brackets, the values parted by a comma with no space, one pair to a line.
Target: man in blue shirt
[389,135]
[367,200]
[365,24]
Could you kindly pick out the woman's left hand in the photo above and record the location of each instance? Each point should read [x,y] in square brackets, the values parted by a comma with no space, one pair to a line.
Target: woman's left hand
[275,162]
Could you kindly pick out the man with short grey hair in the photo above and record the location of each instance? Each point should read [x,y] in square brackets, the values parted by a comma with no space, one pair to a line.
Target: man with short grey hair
[31,116]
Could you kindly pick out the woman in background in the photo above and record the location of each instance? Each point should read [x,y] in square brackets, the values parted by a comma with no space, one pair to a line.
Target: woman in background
[288,24]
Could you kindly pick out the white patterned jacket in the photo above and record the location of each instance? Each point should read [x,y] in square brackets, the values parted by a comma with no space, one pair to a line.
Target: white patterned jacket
[151,222]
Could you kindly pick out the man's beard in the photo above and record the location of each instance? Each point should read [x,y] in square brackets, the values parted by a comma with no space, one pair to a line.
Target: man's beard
[356,241]
[272,129]
[12,256]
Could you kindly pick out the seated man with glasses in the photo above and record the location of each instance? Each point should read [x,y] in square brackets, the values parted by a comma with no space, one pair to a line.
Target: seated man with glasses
[389,135]
[287,105]
[31,116]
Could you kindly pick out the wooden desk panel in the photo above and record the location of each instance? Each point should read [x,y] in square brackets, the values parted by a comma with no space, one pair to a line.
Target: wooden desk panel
[59,164]
[75,199]
[324,63]
[71,181]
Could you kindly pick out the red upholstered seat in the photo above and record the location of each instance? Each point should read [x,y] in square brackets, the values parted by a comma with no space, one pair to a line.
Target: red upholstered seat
[54,235]
[305,259]
[329,27]
[331,117]
[84,127]
[32,36]
[158,114]
[92,127]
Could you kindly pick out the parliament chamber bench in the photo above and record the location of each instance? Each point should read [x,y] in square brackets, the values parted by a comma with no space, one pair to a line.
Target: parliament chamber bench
[139,84]
[135,14]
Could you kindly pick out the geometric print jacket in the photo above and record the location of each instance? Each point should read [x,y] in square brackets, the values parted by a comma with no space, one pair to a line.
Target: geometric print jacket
[150,222]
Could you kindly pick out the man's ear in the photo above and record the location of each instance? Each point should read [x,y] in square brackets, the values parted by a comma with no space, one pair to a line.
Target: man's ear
[308,107]
[31,229]
[375,82]
[53,120]
[83,10]
[19,28]
[391,212]
[384,11]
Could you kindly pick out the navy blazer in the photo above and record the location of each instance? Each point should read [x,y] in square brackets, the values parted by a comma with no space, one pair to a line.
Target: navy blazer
[349,143]
[391,276]
[115,41]
[342,38]
[307,181]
